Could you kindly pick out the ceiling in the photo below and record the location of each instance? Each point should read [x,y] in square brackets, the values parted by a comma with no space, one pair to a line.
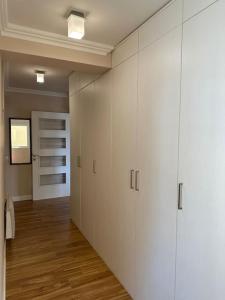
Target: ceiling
[20,74]
[108,21]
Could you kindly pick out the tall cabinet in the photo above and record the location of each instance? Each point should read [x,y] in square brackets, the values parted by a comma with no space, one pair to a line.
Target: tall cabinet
[201,223]
[88,178]
[158,129]
[102,165]
[122,209]
[75,125]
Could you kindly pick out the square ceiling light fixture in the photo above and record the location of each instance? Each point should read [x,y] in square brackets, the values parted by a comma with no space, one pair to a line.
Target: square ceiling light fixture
[40,76]
[76,22]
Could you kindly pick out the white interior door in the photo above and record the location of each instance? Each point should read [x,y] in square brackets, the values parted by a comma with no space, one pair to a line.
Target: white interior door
[201,223]
[51,155]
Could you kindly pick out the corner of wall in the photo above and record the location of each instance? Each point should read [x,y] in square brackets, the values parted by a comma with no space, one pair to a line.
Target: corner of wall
[2,195]
[126,49]
[79,80]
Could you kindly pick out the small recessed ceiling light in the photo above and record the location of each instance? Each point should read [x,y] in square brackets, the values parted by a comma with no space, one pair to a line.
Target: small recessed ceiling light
[40,76]
[76,22]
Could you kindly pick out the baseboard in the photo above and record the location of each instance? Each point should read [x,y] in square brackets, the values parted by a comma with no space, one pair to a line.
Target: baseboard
[22,198]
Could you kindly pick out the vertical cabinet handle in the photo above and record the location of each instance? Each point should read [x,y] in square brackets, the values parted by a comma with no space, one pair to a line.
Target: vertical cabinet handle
[78,161]
[132,179]
[94,166]
[180,196]
[137,181]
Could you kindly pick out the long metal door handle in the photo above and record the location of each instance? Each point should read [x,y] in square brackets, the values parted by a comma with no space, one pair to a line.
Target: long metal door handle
[132,179]
[94,166]
[137,181]
[180,196]
[78,161]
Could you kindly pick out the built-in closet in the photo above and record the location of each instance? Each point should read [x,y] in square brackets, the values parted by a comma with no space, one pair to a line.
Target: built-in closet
[148,149]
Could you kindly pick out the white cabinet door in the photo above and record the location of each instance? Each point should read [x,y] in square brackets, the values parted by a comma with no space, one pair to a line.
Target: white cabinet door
[87,158]
[51,155]
[122,211]
[75,137]
[158,127]
[201,223]
[102,156]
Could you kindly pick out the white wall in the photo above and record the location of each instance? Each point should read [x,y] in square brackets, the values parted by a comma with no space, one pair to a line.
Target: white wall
[2,195]
[133,89]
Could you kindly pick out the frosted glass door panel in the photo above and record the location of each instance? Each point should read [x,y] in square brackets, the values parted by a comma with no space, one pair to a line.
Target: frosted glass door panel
[52,124]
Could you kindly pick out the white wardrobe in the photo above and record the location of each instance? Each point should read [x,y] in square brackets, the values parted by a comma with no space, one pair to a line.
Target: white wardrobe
[158,127]
[201,223]
[148,185]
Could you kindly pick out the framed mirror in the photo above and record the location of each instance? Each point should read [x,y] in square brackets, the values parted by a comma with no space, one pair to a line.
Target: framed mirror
[20,141]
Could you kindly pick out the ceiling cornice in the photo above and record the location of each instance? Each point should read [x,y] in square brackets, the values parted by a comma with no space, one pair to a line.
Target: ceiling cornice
[10,89]
[8,29]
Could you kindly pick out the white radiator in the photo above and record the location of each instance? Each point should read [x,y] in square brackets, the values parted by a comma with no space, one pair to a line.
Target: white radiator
[9,219]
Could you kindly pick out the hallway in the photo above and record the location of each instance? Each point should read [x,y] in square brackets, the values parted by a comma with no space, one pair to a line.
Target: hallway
[50,259]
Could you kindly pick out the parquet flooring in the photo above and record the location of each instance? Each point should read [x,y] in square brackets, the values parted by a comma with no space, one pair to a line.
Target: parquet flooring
[50,258]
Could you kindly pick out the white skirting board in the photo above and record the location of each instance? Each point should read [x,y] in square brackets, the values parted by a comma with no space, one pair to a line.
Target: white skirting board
[9,219]
[22,198]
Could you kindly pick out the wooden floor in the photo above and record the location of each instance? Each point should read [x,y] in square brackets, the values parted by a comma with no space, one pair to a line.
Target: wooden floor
[50,259]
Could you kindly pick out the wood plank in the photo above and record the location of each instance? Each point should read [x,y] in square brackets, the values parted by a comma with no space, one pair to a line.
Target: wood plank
[50,258]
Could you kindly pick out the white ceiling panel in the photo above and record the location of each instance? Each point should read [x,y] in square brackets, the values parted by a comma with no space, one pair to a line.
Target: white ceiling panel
[22,75]
[108,21]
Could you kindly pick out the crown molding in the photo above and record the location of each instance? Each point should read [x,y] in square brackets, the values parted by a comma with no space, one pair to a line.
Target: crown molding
[10,89]
[8,29]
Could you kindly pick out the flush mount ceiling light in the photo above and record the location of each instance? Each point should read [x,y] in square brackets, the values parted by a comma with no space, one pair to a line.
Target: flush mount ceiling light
[76,22]
[40,76]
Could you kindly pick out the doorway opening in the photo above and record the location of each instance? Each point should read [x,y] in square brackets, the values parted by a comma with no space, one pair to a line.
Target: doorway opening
[36,128]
